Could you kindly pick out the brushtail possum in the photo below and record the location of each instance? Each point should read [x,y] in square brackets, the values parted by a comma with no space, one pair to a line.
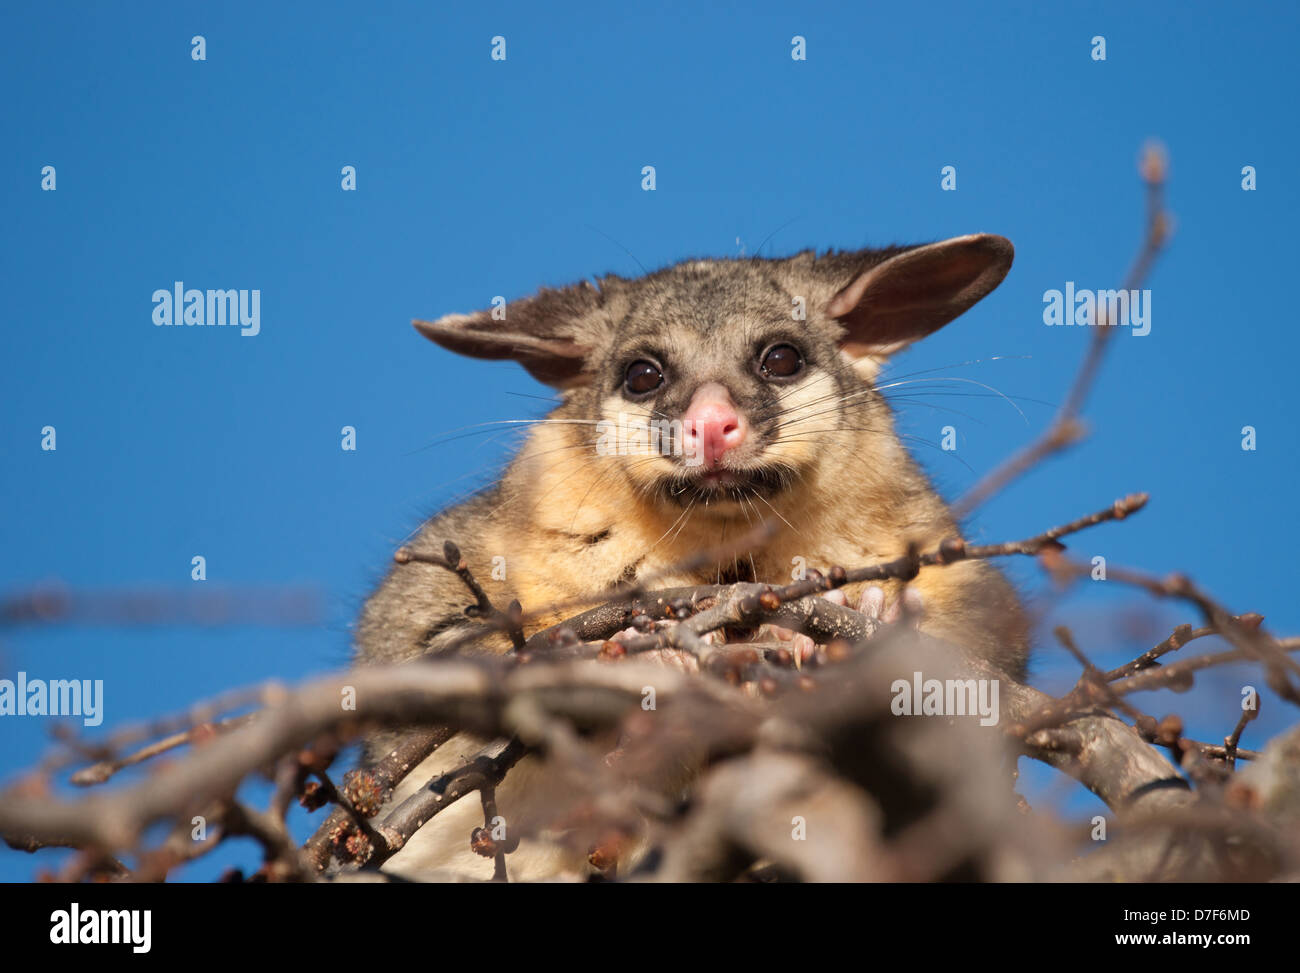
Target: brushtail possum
[695,402]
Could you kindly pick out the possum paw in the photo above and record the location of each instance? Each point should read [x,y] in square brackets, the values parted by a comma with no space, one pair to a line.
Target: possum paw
[801,646]
[910,607]
[672,658]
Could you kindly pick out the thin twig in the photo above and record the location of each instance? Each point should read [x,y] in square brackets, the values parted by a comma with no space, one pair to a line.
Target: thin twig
[1066,429]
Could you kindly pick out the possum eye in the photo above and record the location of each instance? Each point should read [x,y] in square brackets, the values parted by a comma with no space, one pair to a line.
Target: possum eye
[781,361]
[642,376]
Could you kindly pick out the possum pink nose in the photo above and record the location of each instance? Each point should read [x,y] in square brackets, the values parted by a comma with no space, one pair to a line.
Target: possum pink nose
[712,425]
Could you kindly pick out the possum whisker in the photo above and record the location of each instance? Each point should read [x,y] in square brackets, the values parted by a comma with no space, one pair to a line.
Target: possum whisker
[777,512]
[482,429]
[841,400]
[822,443]
[931,405]
[962,364]
[680,516]
[998,392]
[689,508]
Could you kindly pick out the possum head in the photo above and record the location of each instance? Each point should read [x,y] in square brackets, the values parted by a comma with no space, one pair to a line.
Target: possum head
[717,381]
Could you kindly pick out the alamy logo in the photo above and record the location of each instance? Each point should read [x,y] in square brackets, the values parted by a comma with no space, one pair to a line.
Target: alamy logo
[1111,308]
[242,309]
[951,697]
[73,926]
[633,435]
[57,697]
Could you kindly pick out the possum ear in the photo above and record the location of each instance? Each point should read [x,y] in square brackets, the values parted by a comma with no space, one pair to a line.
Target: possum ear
[914,292]
[550,334]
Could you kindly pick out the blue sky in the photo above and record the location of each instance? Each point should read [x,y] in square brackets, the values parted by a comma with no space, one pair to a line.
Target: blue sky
[477,177]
